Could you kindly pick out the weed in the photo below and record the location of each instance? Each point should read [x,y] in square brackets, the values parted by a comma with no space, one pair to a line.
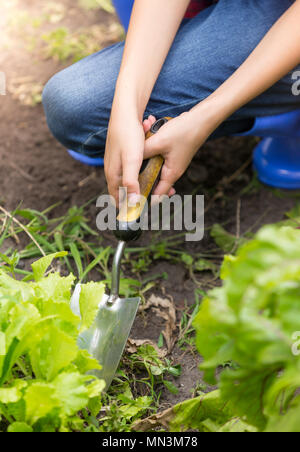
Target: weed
[146,361]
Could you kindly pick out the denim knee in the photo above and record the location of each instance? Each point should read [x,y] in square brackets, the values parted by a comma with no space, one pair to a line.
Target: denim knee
[77,101]
[72,114]
[57,108]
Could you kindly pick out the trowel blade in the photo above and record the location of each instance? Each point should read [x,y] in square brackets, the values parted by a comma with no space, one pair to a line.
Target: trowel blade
[107,337]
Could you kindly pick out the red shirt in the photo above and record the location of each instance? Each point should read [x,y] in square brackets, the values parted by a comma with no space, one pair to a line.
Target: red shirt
[196,6]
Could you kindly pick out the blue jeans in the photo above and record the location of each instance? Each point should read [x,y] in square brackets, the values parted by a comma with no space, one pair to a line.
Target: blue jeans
[206,51]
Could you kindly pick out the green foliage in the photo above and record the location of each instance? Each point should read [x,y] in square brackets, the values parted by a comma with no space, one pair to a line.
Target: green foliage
[43,381]
[62,44]
[147,358]
[106,5]
[251,322]
[207,413]
[227,242]
[70,232]
[123,409]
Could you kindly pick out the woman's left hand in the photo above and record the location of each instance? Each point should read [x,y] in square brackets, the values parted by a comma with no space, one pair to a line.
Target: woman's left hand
[177,142]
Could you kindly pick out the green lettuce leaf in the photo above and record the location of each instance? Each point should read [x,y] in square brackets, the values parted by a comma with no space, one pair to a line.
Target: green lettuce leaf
[43,380]
[40,267]
[90,296]
[248,324]
[40,399]
[19,427]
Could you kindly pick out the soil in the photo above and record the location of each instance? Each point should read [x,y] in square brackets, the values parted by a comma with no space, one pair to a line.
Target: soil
[35,170]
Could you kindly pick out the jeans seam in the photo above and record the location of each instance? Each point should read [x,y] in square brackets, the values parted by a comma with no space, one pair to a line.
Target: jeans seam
[91,136]
[104,129]
[191,104]
[158,114]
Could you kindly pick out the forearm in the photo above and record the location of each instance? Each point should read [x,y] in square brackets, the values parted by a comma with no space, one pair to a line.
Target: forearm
[276,55]
[154,25]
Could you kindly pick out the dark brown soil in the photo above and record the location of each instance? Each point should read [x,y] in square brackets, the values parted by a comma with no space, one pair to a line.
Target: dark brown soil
[37,171]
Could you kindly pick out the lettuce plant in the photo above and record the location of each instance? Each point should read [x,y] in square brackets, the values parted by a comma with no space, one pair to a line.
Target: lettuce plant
[44,381]
[250,327]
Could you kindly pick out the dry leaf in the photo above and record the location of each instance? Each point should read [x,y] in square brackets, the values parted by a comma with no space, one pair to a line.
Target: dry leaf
[133,344]
[164,308]
[159,420]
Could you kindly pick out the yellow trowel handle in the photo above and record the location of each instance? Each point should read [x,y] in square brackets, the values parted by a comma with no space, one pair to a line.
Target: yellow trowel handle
[128,227]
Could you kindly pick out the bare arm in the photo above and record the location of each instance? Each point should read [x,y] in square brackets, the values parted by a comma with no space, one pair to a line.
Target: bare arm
[179,140]
[276,55]
[154,25]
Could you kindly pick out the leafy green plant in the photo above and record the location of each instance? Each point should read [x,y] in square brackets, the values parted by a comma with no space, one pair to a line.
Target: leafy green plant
[121,409]
[226,241]
[205,413]
[147,358]
[186,337]
[70,232]
[251,322]
[248,333]
[43,380]
[62,44]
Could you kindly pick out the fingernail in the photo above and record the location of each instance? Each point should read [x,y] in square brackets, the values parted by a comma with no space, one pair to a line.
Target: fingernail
[133,198]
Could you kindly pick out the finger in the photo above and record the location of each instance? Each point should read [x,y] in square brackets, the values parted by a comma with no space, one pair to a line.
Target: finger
[113,187]
[172,192]
[168,179]
[114,192]
[113,178]
[131,168]
[163,188]
[152,119]
[152,147]
[147,125]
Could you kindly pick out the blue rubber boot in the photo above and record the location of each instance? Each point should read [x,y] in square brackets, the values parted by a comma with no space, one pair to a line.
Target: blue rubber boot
[90,161]
[277,162]
[123,9]
[277,157]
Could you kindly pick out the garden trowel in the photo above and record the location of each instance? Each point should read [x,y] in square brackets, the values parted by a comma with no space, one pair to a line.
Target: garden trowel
[107,337]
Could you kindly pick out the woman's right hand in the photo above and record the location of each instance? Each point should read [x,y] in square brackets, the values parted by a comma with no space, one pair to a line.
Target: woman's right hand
[142,62]
[124,155]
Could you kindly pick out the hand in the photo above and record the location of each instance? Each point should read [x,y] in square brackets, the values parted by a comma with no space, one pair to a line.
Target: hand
[124,155]
[177,141]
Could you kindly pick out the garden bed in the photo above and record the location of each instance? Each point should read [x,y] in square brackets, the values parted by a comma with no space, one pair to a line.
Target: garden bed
[36,173]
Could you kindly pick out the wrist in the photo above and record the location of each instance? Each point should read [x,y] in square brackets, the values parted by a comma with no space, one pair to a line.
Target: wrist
[130,98]
[204,119]
[212,111]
